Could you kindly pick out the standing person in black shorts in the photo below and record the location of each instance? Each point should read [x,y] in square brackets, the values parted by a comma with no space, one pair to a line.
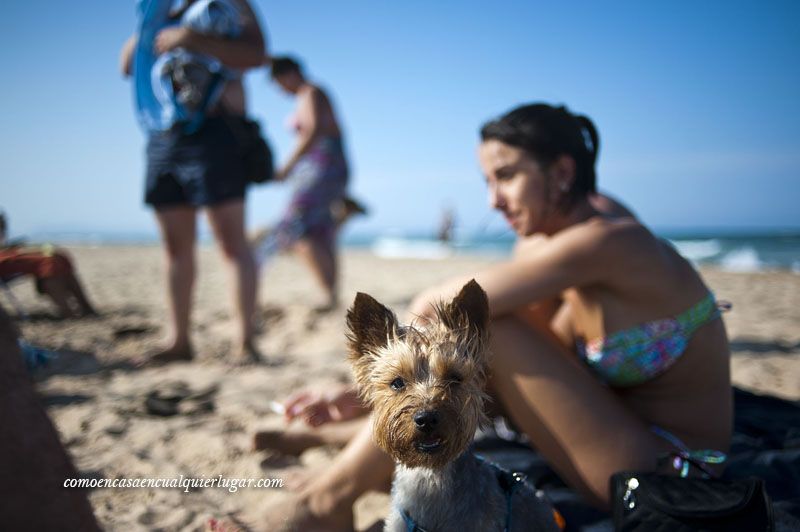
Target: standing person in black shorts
[203,169]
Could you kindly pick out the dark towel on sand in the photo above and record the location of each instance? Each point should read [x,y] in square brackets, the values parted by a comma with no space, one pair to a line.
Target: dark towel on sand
[766,444]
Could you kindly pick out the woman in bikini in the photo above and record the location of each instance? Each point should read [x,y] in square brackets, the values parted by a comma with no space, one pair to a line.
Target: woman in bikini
[317,169]
[608,350]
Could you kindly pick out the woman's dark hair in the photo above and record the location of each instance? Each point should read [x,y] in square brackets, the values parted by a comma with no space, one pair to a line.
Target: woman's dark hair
[546,133]
[283,65]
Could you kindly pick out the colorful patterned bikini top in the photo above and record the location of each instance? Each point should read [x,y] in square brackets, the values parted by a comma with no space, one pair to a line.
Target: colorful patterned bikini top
[636,355]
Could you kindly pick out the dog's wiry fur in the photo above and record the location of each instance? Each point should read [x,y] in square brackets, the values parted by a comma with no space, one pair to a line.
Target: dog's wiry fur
[426,390]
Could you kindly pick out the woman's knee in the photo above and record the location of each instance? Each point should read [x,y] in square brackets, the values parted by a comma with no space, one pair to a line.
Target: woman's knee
[235,248]
[507,347]
[178,244]
[512,338]
[232,243]
[179,252]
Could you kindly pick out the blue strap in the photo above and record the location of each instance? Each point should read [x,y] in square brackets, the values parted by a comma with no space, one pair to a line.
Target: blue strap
[411,525]
[215,85]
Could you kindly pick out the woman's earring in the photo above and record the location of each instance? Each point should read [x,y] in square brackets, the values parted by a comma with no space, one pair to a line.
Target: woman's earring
[563,186]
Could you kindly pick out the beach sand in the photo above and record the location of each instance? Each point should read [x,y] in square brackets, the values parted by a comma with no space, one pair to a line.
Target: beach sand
[97,400]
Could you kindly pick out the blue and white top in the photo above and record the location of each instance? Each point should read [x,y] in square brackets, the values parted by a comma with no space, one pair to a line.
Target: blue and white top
[178,87]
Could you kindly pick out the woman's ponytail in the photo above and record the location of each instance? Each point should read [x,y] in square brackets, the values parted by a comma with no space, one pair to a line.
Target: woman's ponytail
[592,140]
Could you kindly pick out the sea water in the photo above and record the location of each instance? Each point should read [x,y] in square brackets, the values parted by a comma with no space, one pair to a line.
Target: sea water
[742,252]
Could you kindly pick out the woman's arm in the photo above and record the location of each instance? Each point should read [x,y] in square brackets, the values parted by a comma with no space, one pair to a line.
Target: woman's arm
[246,51]
[582,255]
[310,108]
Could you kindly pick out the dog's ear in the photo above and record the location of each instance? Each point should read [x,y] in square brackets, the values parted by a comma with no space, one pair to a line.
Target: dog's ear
[371,325]
[469,308]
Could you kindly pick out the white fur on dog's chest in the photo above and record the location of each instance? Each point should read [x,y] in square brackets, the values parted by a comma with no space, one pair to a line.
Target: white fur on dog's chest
[451,498]
[463,496]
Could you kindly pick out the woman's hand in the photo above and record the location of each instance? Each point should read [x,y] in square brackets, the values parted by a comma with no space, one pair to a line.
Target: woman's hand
[317,408]
[171,38]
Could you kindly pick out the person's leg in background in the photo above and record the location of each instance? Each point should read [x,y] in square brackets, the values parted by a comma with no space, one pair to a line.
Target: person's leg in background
[57,290]
[318,252]
[227,223]
[76,289]
[66,280]
[178,227]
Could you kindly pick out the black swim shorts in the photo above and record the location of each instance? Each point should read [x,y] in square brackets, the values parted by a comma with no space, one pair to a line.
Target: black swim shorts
[202,169]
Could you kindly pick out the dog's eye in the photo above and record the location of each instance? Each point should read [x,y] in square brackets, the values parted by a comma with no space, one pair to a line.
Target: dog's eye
[398,384]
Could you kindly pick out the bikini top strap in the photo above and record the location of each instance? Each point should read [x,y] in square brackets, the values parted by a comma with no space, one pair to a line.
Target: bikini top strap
[706,310]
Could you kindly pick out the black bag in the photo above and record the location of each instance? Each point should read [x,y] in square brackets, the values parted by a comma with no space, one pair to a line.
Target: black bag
[661,503]
[258,159]
[256,153]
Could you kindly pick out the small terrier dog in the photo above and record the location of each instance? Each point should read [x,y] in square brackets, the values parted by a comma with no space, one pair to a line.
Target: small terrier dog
[425,386]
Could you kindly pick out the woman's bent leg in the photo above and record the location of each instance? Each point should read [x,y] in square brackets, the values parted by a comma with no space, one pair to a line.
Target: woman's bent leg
[581,427]
[327,502]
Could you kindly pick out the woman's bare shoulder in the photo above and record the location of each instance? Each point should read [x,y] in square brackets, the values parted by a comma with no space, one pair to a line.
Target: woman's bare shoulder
[623,232]
[600,233]
[602,245]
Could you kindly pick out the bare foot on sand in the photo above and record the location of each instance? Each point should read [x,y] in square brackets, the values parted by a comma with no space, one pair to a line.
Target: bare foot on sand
[294,441]
[248,354]
[167,356]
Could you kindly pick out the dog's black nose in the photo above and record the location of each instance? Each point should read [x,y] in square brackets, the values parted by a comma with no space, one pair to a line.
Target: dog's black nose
[426,420]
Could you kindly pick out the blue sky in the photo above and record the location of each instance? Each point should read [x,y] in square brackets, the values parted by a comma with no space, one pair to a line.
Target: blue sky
[696,102]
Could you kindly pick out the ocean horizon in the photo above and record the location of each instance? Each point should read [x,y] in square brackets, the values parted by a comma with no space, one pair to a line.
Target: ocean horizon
[731,249]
